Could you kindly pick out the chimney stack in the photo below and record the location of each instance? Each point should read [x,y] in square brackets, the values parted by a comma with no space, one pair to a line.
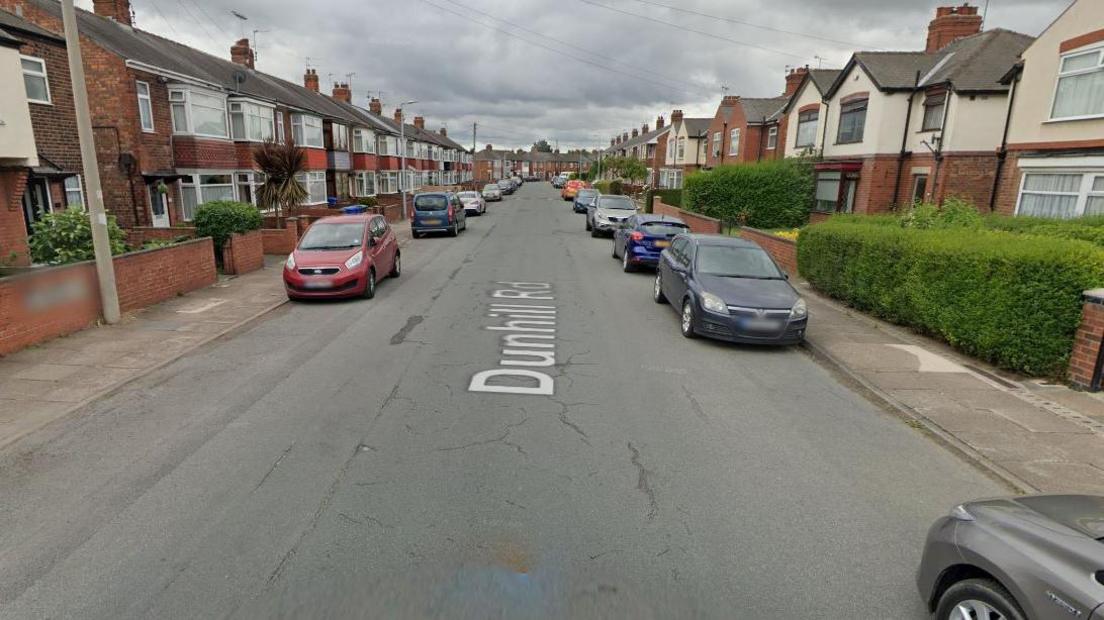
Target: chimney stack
[793,80]
[310,80]
[950,24]
[375,106]
[444,132]
[419,122]
[398,115]
[118,10]
[487,148]
[635,132]
[342,92]
[729,100]
[676,117]
[644,129]
[241,54]
[613,141]
[659,122]
[625,136]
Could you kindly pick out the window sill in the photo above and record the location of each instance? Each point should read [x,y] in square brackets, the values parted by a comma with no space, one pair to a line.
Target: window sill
[838,143]
[37,102]
[1070,119]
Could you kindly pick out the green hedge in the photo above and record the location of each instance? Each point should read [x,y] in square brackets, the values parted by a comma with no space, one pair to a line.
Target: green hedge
[66,237]
[609,187]
[221,218]
[1089,229]
[672,197]
[1012,300]
[769,194]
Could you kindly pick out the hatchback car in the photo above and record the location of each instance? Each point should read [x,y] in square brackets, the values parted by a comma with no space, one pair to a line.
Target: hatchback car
[571,188]
[642,238]
[506,186]
[473,203]
[342,256]
[607,213]
[1036,556]
[730,289]
[491,192]
[438,212]
[583,199]
[558,181]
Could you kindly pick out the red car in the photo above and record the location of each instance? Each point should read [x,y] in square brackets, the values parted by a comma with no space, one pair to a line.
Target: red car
[342,256]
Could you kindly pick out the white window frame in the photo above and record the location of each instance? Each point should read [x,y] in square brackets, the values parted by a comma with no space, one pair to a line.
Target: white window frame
[772,138]
[188,116]
[1099,50]
[1084,192]
[300,123]
[716,144]
[734,142]
[192,180]
[680,155]
[38,74]
[361,184]
[387,182]
[367,139]
[145,114]
[311,180]
[79,191]
[338,130]
[816,127]
[248,108]
[278,119]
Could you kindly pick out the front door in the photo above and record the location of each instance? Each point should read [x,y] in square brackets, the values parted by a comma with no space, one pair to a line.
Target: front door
[36,202]
[159,206]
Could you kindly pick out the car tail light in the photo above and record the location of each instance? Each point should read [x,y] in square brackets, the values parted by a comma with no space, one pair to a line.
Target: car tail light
[450,213]
[637,236]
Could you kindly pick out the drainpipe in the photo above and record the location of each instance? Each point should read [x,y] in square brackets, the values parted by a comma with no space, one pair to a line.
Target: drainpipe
[724,134]
[824,126]
[942,133]
[762,128]
[904,139]
[1003,152]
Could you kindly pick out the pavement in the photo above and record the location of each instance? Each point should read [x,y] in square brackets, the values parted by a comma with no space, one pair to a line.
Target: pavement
[1034,434]
[332,460]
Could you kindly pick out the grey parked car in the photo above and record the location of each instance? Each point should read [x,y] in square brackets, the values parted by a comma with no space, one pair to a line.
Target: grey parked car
[607,212]
[1038,557]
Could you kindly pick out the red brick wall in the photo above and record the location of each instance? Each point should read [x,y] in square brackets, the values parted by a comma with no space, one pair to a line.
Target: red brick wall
[281,240]
[55,126]
[243,253]
[316,159]
[661,208]
[1087,342]
[137,236]
[13,228]
[783,251]
[244,152]
[143,278]
[192,152]
[697,223]
[729,114]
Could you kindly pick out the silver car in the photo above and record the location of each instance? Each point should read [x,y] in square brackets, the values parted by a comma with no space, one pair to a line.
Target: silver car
[607,213]
[1038,557]
[491,192]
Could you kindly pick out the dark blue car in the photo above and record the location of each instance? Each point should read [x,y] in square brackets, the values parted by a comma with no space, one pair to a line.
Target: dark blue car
[641,238]
[438,212]
[730,289]
[584,198]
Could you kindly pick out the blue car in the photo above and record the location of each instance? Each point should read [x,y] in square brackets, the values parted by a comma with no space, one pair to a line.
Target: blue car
[641,239]
[584,198]
[438,212]
[729,289]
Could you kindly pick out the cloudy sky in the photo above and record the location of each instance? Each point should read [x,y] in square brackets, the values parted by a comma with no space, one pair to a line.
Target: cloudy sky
[572,71]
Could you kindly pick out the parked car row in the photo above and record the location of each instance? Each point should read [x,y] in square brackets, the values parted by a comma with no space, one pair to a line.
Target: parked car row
[722,287]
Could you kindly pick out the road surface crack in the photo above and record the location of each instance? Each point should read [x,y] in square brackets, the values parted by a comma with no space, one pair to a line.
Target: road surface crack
[274,466]
[502,439]
[568,423]
[644,483]
[411,323]
[694,404]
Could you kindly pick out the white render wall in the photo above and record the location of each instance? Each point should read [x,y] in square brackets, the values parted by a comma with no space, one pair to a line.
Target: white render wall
[16,134]
[885,119]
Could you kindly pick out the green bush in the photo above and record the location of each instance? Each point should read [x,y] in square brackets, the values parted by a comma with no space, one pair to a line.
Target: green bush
[1012,300]
[1089,229]
[609,187]
[66,237]
[769,194]
[368,201]
[954,213]
[222,218]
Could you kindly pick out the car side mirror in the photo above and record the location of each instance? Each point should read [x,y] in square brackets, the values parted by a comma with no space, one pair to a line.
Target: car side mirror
[785,275]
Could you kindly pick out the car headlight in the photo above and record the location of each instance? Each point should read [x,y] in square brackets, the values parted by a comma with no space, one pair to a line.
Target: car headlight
[355,260]
[713,303]
[799,310]
[290,264]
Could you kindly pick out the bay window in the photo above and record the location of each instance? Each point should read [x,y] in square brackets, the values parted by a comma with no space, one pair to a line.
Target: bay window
[251,122]
[388,182]
[197,189]
[364,141]
[340,136]
[198,113]
[852,119]
[248,182]
[306,130]
[1061,195]
[388,145]
[734,142]
[827,191]
[807,122]
[1080,89]
[315,184]
[934,105]
[365,184]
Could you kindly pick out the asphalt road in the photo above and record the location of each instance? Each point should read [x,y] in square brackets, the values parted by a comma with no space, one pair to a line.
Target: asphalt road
[329,461]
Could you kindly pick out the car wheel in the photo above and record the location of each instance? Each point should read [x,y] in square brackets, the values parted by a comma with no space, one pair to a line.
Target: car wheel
[396,270]
[626,266]
[686,323]
[370,286]
[454,230]
[593,232]
[657,290]
[978,599]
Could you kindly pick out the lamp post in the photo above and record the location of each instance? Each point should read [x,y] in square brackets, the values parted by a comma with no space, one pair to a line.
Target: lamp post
[402,152]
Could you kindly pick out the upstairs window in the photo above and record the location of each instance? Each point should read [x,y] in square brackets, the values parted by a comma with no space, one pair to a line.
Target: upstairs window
[807,122]
[198,113]
[251,122]
[340,135]
[1080,91]
[734,142]
[934,105]
[145,107]
[364,141]
[772,138]
[306,130]
[34,79]
[716,145]
[851,121]
[681,149]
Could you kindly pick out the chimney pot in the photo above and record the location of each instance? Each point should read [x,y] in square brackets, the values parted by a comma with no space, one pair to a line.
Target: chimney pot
[419,122]
[676,116]
[444,131]
[644,129]
[793,80]
[398,115]
[341,92]
[118,10]
[375,106]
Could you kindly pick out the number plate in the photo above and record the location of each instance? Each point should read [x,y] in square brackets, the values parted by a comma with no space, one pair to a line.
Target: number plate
[318,284]
[662,244]
[431,222]
[762,325]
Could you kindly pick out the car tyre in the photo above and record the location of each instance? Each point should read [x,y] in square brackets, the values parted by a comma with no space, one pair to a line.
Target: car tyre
[370,286]
[626,266]
[594,232]
[982,597]
[686,319]
[588,224]
[396,269]
[454,230]
[657,290]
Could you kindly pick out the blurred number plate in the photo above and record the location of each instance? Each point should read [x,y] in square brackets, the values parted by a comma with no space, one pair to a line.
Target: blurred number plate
[431,222]
[662,244]
[763,325]
[318,284]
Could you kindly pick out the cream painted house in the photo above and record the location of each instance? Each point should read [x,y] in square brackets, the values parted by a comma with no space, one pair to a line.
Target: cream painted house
[687,142]
[18,152]
[805,113]
[1055,149]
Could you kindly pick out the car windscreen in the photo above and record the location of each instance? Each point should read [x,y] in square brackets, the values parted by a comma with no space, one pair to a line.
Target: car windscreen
[587,193]
[468,195]
[490,187]
[430,203]
[663,228]
[736,262]
[616,202]
[323,236]
[503,183]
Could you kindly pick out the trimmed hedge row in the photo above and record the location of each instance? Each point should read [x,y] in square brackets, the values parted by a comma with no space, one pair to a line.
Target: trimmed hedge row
[1089,229]
[768,194]
[609,187]
[671,197]
[1012,300]
[219,219]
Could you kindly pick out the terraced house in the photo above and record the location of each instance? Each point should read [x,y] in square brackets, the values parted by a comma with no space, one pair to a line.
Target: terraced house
[687,144]
[648,145]
[18,151]
[175,127]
